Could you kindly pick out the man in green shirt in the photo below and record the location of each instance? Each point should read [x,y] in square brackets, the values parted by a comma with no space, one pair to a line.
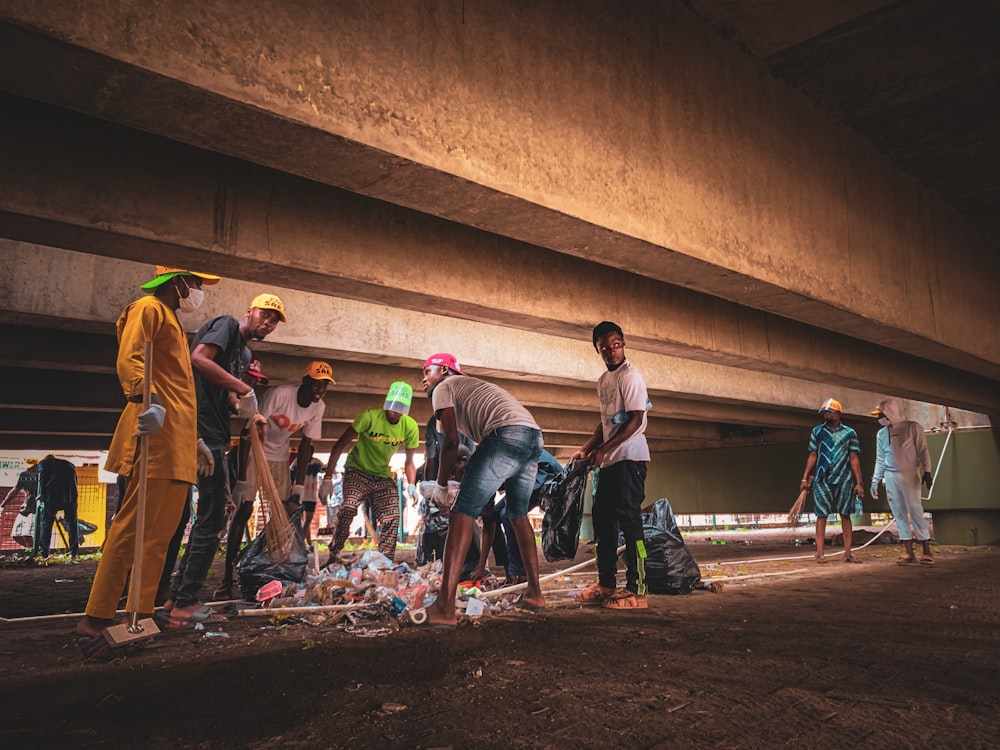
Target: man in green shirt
[367,477]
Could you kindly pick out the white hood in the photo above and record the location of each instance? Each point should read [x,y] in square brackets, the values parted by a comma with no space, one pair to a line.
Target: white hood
[891,411]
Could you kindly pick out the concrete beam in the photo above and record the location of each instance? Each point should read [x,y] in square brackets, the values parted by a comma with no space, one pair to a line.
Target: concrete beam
[696,175]
[86,293]
[242,221]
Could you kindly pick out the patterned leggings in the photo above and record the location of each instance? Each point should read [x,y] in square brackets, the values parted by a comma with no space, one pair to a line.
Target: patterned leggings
[381,492]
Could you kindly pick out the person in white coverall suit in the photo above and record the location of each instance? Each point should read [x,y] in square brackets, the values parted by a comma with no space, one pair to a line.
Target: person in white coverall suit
[901,460]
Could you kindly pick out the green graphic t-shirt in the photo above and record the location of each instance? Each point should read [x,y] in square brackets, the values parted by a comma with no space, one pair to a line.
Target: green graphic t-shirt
[378,440]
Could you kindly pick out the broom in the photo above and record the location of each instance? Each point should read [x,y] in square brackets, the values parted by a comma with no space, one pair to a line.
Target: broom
[278,534]
[796,510]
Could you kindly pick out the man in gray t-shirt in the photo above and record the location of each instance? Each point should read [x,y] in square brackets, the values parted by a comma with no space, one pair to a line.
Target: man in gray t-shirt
[509,445]
[618,448]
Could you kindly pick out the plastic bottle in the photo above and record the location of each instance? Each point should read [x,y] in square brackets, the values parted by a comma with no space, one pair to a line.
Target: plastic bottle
[858,508]
[355,575]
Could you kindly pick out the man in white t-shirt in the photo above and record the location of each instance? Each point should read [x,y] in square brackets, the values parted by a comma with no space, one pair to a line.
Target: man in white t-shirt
[289,409]
[618,448]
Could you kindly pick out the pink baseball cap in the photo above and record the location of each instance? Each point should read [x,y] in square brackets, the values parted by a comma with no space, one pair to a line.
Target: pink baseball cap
[445,360]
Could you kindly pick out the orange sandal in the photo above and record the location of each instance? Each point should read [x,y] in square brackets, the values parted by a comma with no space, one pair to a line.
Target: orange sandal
[595,594]
[625,599]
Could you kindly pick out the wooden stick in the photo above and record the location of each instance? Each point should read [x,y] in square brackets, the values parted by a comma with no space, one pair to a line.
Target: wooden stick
[268,611]
[371,529]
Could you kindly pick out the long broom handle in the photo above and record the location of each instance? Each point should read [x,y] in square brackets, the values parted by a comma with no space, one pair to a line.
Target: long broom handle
[135,585]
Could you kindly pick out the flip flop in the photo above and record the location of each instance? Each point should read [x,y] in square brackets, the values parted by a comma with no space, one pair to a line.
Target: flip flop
[199,616]
[905,560]
[594,594]
[851,559]
[926,560]
[625,600]
[821,560]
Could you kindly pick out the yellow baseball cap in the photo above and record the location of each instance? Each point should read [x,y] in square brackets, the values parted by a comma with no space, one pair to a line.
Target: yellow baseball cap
[165,273]
[320,371]
[270,302]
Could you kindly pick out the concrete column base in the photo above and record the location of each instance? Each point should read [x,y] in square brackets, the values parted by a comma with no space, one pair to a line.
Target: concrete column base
[967,527]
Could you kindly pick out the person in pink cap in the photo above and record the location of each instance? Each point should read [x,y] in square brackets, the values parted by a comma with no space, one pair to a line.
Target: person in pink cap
[509,444]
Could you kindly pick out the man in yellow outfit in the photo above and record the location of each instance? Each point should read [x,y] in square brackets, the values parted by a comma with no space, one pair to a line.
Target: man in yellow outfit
[172,426]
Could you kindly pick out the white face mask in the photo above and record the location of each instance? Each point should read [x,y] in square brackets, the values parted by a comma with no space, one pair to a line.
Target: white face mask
[193,301]
[884,422]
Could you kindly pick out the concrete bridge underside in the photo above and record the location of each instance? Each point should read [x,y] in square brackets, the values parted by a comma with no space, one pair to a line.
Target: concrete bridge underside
[488,179]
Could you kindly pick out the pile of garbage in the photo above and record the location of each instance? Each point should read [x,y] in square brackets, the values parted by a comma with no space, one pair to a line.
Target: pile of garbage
[366,590]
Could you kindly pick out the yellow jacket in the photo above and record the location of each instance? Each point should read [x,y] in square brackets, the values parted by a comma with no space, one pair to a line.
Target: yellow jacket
[172,450]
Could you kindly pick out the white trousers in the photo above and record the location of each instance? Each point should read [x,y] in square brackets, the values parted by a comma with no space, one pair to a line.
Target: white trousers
[903,491]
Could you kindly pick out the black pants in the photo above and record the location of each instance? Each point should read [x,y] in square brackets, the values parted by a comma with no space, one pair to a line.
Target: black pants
[621,488]
[203,541]
[46,517]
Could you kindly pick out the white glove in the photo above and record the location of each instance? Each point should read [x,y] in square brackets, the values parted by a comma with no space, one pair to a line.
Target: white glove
[326,489]
[151,420]
[411,490]
[242,493]
[300,490]
[248,405]
[206,461]
[874,491]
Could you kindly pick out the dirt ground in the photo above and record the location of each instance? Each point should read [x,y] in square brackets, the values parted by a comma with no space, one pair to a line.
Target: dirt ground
[808,656]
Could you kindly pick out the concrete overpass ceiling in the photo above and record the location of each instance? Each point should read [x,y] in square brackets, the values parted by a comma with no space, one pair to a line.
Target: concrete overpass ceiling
[657,222]
[917,80]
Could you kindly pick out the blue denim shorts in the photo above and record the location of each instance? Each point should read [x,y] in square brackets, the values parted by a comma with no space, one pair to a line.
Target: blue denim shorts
[508,457]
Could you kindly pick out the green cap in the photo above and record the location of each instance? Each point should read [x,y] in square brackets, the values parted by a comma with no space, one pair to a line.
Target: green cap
[399,397]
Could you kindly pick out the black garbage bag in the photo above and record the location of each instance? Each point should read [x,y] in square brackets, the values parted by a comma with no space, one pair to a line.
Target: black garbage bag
[255,567]
[670,566]
[431,540]
[562,501]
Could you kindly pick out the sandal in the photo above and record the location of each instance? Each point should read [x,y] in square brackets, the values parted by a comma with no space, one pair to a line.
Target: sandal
[820,560]
[926,560]
[905,560]
[595,594]
[625,599]
[851,559]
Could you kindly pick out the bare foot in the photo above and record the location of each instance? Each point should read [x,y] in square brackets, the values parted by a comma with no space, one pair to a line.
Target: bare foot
[533,603]
[93,626]
[436,617]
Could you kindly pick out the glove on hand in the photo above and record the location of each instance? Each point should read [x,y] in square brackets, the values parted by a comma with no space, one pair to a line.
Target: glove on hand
[206,461]
[248,405]
[326,490]
[242,493]
[151,420]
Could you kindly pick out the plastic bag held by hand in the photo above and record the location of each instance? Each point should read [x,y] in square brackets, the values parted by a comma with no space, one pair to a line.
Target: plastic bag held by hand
[248,405]
[206,462]
[151,420]
[443,498]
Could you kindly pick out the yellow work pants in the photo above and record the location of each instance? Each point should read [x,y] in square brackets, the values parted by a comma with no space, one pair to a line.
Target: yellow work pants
[166,499]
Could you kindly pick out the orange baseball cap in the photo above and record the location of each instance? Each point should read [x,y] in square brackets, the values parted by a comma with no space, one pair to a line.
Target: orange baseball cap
[320,371]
